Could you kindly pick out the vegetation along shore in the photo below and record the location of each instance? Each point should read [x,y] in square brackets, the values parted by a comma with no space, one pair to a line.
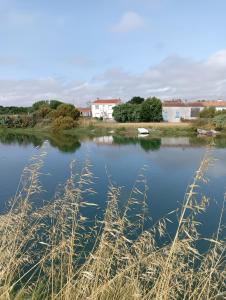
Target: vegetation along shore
[54,115]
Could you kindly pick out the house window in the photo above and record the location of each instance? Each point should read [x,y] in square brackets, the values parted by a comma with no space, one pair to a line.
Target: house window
[165,115]
[195,112]
[177,115]
[96,106]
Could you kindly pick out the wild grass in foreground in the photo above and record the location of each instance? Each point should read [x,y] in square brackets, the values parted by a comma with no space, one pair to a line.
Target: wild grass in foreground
[56,252]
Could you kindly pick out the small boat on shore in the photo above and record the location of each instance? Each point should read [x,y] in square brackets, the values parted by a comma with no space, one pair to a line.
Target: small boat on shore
[143,131]
[207,132]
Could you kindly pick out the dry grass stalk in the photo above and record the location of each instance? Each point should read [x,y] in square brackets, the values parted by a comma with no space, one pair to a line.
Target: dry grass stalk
[45,253]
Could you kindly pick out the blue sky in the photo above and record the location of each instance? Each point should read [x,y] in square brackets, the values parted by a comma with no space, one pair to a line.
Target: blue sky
[80,50]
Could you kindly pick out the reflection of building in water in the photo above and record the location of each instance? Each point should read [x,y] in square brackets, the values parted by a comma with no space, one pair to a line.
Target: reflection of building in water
[104,140]
[175,142]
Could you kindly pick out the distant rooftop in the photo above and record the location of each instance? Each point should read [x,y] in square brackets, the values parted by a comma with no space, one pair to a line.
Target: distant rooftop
[180,103]
[107,101]
[84,109]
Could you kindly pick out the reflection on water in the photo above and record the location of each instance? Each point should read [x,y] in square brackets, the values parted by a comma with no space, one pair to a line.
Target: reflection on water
[170,168]
[64,143]
[69,143]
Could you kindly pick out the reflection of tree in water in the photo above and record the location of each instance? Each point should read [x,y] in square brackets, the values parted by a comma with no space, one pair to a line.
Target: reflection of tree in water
[146,144]
[20,139]
[152,144]
[218,142]
[64,143]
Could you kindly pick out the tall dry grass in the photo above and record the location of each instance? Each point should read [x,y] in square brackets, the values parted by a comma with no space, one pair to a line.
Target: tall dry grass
[57,252]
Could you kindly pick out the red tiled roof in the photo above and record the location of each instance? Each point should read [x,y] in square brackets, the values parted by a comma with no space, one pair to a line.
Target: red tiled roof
[84,109]
[109,101]
[194,104]
[218,103]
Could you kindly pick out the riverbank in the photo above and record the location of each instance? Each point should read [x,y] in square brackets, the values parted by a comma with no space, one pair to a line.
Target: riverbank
[92,128]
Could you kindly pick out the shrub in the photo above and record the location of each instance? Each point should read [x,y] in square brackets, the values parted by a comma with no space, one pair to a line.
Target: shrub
[151,110]
[66,110]
[208,112]
[62,123]
[219,121]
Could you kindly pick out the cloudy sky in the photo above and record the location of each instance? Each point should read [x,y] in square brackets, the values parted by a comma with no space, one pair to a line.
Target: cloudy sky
[77,50]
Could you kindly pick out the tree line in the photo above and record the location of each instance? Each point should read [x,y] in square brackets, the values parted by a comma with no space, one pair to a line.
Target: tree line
[139,109]
[55,113]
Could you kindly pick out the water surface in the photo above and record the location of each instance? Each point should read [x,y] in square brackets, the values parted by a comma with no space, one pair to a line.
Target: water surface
[170,166]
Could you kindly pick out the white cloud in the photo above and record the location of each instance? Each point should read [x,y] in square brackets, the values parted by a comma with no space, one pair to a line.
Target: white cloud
[174,77]
[129,21]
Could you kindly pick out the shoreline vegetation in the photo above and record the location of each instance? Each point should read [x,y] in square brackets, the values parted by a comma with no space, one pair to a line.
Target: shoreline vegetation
[56,116]
[57,252]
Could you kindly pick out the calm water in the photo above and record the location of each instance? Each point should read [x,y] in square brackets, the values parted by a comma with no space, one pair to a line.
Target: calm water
[170,165]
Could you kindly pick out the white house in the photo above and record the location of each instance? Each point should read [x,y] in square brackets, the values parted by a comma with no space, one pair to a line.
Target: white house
[176,110]
[104,108]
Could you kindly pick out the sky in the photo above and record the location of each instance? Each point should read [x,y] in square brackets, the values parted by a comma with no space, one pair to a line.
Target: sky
[78,50]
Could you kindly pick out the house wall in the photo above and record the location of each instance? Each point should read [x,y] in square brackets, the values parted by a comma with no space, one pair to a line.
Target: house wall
[102,110]
[175,114]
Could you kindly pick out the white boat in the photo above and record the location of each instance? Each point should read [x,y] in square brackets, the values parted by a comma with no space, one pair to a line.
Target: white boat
[143,131]
[207,132]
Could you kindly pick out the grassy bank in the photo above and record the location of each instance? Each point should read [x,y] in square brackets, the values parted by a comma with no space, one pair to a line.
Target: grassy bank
[89,128]
[44,254]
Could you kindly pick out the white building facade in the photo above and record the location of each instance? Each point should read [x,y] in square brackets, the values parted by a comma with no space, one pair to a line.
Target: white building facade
[104,108]
[175,111]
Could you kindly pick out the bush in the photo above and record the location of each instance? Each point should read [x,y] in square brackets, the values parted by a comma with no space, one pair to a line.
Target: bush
[66,110]
[219,121]
[62,123]
[151,110]
[208,112]
[17,121]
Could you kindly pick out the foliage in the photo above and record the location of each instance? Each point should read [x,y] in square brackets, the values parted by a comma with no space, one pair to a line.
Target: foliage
[66,110]
[220,121]
[43,111]
[151,110]
[53,104]
[13,110]
[136,100]
[63,123]
[208,112]
[17,121]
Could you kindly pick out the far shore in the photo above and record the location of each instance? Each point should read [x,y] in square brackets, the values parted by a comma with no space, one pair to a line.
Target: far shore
[92,128]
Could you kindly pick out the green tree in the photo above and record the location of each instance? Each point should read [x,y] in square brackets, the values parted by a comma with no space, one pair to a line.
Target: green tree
[54,104]
[43,111]
[136,100]
[219,121]
[38,104]
[208,112]
[62,123]
[151,110]
[67,110]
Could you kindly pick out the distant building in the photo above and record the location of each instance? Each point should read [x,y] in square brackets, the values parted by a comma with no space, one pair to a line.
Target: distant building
[85,111]
[104,108]
[176,110]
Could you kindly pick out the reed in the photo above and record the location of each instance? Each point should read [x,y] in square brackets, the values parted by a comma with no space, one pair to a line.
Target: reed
[57,252]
